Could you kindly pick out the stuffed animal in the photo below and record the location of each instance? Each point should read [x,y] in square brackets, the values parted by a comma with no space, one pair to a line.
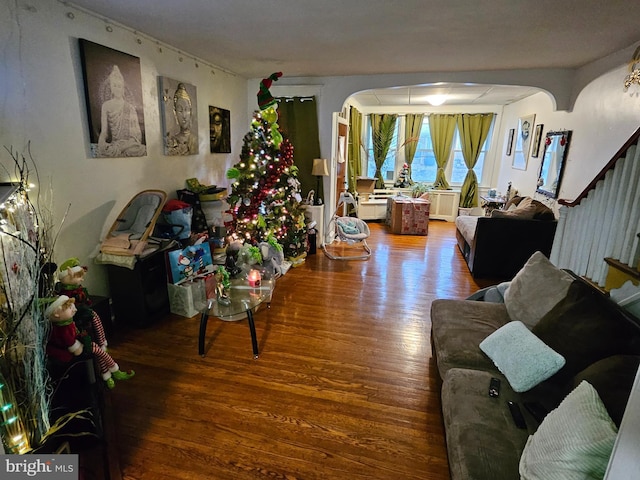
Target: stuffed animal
[231,260]
[66,341]
[272,257]
[70,279]
[248,257]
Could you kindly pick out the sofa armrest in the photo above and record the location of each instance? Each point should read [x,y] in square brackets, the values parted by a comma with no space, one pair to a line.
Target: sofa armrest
[501,246]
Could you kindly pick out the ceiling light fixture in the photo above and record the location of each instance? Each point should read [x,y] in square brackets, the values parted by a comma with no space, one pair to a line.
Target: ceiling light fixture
[436,100]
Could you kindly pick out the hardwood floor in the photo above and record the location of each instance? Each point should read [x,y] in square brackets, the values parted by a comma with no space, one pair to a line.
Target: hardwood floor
[345,386]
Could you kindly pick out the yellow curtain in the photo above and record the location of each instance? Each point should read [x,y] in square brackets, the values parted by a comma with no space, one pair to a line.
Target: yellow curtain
[442,127]
[354,165]
[473,130]
[412,127]
[382,129]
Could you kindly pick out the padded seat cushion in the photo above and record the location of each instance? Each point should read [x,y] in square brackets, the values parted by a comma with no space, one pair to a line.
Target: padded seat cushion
[482,440]
[136,217]
[466,225]
[458,327]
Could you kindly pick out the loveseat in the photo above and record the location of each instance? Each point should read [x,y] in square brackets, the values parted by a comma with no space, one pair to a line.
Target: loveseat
[554,340]
[498,246]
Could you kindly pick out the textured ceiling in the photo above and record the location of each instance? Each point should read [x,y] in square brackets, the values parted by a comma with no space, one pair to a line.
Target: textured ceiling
[305,38]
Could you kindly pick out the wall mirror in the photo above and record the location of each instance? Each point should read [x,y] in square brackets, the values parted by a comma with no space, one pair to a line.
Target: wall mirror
[556,146]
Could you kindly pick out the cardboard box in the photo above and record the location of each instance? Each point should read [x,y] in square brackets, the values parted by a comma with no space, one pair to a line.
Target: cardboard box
[365,185]
[408,216]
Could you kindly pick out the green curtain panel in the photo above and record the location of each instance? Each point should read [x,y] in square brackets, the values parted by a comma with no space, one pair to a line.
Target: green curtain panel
[382,128]
[473,130]
[412,127]
[442,127]
[298,121]
[354,165]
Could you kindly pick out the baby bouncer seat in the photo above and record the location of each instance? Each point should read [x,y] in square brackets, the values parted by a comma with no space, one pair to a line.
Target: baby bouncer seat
[353,231]
[129,233]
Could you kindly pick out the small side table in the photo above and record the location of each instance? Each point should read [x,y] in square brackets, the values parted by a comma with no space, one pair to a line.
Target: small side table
[492,203]
[244,301]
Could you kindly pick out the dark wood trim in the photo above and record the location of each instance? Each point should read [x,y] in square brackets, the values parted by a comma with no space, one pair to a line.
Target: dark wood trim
[626,269]
[632,140]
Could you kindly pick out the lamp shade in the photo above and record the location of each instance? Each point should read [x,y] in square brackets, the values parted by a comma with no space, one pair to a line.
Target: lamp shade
[320,168]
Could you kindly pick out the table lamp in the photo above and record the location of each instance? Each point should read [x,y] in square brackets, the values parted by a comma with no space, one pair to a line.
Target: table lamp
[320,169]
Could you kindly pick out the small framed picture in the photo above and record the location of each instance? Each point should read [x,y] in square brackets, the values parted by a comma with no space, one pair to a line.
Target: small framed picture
[220,129]
[512,133]
[537,138]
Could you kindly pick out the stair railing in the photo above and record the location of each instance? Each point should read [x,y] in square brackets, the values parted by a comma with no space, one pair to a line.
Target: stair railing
[604,220]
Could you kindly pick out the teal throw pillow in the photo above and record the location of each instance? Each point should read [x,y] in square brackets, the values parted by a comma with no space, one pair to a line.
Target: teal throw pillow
[521,356]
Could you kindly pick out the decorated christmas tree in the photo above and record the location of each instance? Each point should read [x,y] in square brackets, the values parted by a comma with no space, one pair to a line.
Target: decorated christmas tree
[265,195]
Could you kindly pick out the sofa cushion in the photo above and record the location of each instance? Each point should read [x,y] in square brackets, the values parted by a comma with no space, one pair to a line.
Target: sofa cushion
[521,356]
[466,225]
[525,210]
[573,441]
[458,327]
[535,290]
[482,440]
[541,211]
[584,328]
[613,378]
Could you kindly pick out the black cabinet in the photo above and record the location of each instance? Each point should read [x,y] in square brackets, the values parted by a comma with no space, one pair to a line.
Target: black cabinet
[139,297]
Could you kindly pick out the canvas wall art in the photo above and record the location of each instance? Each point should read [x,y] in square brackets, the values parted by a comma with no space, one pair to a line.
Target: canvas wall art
[537,139]
[523,142]
[220,130]
[179,107]
[113,92]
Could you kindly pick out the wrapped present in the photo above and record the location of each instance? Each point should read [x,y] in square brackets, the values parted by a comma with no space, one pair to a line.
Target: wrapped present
[408,216]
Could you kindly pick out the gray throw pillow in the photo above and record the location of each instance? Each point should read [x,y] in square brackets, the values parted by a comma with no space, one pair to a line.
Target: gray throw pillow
[535,290]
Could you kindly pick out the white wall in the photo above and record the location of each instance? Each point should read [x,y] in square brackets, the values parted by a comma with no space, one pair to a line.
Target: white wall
[603,118]
[42,102]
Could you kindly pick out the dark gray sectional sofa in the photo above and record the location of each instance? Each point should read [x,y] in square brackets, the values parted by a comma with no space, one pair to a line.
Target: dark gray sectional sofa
[599,342]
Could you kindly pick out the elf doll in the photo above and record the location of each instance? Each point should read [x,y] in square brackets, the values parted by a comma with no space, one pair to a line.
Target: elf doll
[71,277]
[65,341]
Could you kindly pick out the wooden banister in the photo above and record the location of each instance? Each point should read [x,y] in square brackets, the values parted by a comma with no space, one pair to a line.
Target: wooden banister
[620,153]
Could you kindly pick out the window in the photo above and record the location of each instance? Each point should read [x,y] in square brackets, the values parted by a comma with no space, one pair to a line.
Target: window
[424,167]
[390,163]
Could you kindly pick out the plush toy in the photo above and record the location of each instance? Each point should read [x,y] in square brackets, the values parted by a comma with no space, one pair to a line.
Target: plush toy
[70,278]
[231,260]
[272,257]
[66,341]
[248,257]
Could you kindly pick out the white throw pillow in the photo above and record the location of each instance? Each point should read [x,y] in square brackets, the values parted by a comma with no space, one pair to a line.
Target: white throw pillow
[535,290]
[574,441]
[521,356]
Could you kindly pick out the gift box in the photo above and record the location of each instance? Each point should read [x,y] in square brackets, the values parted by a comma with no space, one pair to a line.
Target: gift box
[187,299]
[408,216]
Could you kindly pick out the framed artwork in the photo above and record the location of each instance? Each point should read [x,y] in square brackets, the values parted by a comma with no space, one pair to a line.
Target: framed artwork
[537,138]
[179,109]
[523,142]
[512,132]
[220,130]
[113,92]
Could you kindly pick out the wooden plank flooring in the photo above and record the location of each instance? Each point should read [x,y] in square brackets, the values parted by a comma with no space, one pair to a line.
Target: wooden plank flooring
[345,387]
